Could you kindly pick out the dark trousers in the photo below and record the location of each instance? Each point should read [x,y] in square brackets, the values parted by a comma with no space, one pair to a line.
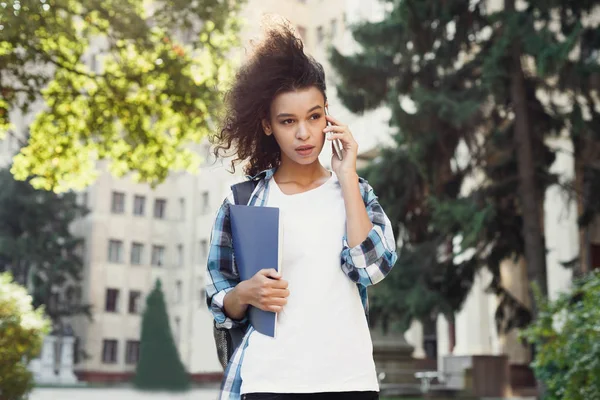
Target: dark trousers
[312,396]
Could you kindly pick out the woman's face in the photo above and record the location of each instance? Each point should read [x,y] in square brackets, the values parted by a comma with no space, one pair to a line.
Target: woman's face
[297,122]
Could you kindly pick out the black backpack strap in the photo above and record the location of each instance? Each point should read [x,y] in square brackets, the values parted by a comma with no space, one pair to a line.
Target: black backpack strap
[242,192]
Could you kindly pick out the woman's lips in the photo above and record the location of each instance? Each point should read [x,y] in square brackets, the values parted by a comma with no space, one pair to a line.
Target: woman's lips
[305,150]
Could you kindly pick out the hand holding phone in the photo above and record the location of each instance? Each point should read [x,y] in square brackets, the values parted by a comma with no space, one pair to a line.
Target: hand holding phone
[337,143]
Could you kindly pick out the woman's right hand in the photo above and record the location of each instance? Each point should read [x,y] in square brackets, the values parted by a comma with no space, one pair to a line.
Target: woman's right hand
[266,290]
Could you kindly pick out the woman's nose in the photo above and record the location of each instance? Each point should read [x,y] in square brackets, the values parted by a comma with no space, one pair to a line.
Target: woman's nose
[302,133]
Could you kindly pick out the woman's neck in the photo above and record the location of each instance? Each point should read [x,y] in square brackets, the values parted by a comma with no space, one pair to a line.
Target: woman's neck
[303,175]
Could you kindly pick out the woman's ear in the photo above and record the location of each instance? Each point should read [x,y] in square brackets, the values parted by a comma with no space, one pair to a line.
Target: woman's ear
[266,127]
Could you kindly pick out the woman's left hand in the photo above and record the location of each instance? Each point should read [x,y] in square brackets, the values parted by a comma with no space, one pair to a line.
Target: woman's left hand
[345,168]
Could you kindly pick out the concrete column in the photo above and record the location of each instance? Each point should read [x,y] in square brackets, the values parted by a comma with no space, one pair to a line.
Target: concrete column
[473,328]
[443,341]
[514,279]
[414,337]
[46,371]
[66,375]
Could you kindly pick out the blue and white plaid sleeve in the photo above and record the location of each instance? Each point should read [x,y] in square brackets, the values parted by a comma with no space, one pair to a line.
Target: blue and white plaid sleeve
[221,274]
[370,262]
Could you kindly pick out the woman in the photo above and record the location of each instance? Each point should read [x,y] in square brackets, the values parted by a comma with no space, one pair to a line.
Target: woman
[337,239]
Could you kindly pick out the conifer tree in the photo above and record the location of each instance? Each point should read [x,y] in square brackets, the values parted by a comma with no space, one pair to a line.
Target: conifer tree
[485,84]
[159,366]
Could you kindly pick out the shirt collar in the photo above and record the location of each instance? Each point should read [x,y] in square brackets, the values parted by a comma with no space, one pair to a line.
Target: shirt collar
[266,174]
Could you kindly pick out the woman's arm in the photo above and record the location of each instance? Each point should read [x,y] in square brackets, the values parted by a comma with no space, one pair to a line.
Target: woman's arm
[227,297]
[221,276]
[358,224]
[369,246]
[368,262]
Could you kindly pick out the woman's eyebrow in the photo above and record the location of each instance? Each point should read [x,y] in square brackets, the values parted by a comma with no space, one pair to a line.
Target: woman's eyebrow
[292,115]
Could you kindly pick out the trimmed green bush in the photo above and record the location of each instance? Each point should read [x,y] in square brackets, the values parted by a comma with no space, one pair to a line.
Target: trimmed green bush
[22,330]
[566,336]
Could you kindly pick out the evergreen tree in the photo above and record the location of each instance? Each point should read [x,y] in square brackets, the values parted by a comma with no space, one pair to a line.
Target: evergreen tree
[475,77]
[130,82]
[159,366]
[38,248]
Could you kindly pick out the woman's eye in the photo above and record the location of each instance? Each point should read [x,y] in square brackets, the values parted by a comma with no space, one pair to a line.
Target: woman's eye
[315,116]
[287,121]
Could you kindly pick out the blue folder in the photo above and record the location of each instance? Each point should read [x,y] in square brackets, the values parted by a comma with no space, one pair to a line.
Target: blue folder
[256,235]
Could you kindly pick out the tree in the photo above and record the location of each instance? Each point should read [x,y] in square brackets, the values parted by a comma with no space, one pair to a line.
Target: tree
[38,248]
[118,80]
[159,366]
[21,333]
[477,132]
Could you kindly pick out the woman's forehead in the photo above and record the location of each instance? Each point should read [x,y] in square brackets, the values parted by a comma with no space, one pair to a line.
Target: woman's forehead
[297,101]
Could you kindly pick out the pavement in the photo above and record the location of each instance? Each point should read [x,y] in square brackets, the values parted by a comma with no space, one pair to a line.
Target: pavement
[118,394]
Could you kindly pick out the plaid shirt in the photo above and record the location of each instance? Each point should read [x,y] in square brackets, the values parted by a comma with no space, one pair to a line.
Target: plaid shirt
[365,264]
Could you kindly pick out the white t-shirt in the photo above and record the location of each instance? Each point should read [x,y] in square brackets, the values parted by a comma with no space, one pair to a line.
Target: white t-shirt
[323,343]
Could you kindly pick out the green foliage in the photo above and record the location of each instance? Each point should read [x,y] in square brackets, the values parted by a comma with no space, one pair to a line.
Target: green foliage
[449,183]
[567,338]
[37,246]
[159,366]
[21,333]
[156,87]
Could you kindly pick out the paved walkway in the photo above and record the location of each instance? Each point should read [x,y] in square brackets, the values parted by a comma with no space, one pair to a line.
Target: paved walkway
[118,394]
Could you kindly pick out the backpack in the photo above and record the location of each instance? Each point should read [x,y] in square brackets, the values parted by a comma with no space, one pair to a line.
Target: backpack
[228,340]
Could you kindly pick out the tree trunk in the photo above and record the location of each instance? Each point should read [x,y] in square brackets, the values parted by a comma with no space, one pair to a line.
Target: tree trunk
[535,252]
[535,248]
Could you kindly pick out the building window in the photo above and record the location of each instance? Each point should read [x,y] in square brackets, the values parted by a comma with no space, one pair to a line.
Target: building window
[132,351]
[182,209]
[112,300]
[180,255]
[77,350]
[109,351]
[320,34]
[595,256]
[158,255]
[137,250]
[302,32]
[333,27]
[139,203]
[96,63]
[178,292]
[205,202]
[115,251]
[118,203]
[177,330]
[203,249]
[84,199]
[160,208]
[135,298]
[201,293]
[80,249]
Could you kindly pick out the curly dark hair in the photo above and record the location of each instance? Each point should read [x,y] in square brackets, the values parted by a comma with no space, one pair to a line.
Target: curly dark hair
[278,64]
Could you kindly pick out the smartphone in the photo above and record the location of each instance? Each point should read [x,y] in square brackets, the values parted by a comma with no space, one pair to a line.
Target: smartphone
[337,143]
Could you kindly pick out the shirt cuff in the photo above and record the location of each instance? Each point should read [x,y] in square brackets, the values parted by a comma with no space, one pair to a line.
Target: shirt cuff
[371,250]
[217,309]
